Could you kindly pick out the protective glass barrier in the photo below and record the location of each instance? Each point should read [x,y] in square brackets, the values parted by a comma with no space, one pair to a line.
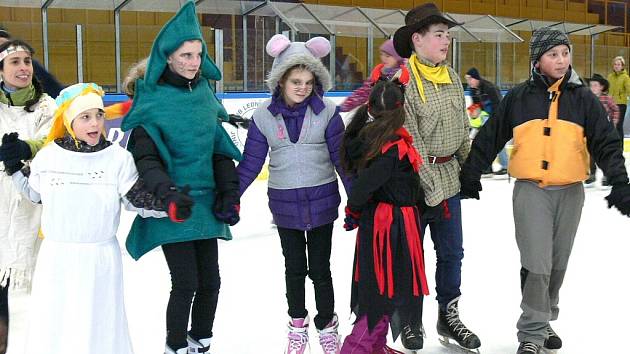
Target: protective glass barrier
[515,65]
[259,31]
[351,67]
[62,52]
[99,55]
[225,7]
[481,56]
[296,16]
[233,57]
[604,55]
[21,3]
[346,21]
[84,4]
[389,20]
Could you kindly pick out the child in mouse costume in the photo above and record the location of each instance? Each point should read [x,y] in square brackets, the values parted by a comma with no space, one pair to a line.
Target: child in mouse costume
[302,132]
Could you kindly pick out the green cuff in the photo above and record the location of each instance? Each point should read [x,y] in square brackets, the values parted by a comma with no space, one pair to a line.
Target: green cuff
[35,145]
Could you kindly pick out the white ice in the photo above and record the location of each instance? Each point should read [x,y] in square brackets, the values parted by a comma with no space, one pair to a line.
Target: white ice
[251,317]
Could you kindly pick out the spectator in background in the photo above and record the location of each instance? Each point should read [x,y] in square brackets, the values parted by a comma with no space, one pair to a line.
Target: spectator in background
[619,90]
[486,94]
[50,84]
[391,63]
[599,87]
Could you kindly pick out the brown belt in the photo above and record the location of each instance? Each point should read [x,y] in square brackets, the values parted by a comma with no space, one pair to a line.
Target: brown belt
[438,159]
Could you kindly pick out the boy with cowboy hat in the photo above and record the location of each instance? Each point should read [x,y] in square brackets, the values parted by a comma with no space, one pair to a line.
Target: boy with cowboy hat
[599,87]
[436,118]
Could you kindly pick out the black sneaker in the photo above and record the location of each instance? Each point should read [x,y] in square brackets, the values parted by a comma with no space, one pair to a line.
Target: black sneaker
[553,341]
[412,338]
[528,348]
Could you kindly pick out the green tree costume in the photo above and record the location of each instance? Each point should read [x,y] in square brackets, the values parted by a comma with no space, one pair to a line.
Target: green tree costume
[184,124]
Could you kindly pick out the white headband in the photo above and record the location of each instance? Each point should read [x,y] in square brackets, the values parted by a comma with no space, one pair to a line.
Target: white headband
[12,49]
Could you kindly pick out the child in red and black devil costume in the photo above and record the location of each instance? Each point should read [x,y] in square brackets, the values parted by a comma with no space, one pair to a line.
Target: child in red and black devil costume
[389,277]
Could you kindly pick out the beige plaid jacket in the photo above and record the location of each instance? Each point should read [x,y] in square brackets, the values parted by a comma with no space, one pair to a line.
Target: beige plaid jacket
[439,128]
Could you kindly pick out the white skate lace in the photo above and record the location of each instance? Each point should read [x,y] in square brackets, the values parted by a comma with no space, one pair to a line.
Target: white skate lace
[410,333]
[297,341]
[551,332]
[329,342]
[530,347]
[456,324]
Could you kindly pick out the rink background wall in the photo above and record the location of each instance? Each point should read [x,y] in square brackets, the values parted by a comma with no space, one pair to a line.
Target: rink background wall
[140,28]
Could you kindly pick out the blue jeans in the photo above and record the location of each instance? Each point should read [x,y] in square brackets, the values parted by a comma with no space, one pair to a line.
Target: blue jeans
[447,240]
[503,158]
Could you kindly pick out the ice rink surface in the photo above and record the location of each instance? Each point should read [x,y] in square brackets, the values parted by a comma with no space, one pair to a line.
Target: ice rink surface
[251,317]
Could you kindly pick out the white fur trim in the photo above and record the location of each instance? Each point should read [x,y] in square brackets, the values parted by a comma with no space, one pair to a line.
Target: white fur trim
[314,65]
[19,278]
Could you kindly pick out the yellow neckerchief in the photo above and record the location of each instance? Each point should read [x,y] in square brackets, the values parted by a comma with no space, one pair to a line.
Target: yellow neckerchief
[437,75]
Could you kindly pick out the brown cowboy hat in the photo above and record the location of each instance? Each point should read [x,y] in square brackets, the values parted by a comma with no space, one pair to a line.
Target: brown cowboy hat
[417,18]
[602,81]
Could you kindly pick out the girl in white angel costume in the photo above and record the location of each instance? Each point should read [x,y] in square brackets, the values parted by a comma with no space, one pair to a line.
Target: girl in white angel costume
[80,178]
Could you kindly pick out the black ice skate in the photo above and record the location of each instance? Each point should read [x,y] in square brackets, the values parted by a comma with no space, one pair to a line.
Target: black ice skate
[528,348]
[553,341]
[449,326]
[412,337]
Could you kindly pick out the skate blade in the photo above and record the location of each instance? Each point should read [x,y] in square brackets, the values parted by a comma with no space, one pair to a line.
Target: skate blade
[445,341]
[409,351]
[548,351]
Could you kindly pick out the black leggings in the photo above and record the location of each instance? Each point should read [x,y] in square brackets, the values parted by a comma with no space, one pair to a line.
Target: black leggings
[194,267]
[622,113]
[4,302]
[294,248]
[4,317]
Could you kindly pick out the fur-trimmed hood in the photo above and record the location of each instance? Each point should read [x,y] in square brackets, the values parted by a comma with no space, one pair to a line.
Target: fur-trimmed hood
[288,54]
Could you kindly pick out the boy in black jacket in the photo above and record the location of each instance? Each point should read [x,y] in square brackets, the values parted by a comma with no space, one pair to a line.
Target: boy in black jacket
[548,116]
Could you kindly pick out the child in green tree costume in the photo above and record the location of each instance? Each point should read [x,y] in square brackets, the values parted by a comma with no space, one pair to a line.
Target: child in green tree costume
[186,158]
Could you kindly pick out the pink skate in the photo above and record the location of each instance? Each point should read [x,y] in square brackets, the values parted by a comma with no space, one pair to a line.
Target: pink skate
[298,336]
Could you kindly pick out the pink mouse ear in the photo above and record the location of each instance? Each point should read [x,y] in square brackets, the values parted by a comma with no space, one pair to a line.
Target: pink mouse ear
[277,44]
[319,46]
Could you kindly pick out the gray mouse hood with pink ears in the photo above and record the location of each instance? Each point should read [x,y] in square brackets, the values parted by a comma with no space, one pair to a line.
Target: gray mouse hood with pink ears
[288,54]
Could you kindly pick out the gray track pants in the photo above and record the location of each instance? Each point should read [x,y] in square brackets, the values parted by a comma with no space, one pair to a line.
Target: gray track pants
[546,222]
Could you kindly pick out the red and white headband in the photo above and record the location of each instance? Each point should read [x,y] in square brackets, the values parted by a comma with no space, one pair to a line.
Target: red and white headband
[12,49]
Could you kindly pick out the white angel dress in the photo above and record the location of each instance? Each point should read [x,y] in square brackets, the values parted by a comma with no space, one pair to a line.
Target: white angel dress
[77,301]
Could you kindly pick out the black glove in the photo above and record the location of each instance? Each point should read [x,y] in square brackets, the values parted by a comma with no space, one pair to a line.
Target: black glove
[351,221]
[239,121]
[619,197]
[11,168]
[470,186]
[431,214]
[13,149]
[179,204]
[227,207]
